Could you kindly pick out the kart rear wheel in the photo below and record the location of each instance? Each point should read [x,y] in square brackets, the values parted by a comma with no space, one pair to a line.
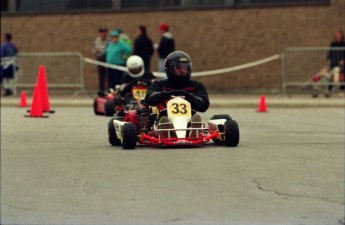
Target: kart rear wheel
[216,117]
[113,140]
[232,133]
[95,106]
[109,108]
[129,136]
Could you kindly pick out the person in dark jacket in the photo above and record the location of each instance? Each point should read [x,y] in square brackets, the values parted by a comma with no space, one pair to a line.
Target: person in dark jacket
[166,45]
[143,47]
[336,57]
[178,67]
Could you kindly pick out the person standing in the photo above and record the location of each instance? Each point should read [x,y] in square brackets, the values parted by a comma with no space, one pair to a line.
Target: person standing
[143,47]
[166,45]
[336,58]
[99,49]
[125,39]
[8,64]
[116,54]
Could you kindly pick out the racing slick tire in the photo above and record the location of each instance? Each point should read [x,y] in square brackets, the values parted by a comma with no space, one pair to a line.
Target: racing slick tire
[95,106]
[129,136]
[232,133]
[113,140]
[216,117]
[109,108]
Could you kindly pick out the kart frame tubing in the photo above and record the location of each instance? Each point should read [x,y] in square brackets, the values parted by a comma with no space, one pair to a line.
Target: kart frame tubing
[172,141]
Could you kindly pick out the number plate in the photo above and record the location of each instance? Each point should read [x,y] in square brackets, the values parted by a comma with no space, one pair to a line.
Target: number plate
[139,93]
[179,108]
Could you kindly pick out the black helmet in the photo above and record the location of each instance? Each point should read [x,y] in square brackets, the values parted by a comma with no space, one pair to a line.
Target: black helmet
[178,67]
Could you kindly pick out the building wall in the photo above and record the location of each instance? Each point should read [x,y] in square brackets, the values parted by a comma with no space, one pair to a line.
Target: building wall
[215,38]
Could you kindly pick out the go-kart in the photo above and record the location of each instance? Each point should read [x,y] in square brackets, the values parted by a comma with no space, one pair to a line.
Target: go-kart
[105,102]
[108,104]
[140,125]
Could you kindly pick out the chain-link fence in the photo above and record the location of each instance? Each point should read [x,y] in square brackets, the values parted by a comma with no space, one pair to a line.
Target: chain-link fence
[312,66]
[63,69]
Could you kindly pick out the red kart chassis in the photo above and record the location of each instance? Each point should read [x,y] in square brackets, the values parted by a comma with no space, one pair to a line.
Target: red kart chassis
[131,129]
[139,125]
[154,137]
[148,139]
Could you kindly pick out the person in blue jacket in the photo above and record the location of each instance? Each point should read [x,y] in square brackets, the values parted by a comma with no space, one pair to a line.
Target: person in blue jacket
[116,54]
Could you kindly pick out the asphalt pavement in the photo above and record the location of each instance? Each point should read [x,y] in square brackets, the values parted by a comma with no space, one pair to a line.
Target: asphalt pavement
[288,169]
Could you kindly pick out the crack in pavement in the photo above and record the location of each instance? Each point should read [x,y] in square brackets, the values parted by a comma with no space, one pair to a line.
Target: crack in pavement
[259,186]
[21,208]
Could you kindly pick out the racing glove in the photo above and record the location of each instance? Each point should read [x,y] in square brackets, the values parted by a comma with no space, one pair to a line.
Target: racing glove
[163,95]
[190,97]
[157,97]
[194,100]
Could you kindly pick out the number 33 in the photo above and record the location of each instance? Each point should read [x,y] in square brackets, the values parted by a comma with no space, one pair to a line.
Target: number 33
[179,108]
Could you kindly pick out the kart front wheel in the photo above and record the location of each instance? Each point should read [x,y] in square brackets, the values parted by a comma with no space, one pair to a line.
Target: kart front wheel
[232,133]
[129,136]
[113,140]
[109,108]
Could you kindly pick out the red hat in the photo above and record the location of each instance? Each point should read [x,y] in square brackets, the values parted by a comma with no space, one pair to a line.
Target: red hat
[164,26]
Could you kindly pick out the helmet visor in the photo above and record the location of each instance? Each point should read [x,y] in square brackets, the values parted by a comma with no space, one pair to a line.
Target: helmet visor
[135,70]
[181,68]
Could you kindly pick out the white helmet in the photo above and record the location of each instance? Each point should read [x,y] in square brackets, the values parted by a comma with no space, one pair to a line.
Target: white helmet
[135,66]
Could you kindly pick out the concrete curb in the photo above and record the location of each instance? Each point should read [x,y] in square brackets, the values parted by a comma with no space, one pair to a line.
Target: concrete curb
[282,103]
[218,101]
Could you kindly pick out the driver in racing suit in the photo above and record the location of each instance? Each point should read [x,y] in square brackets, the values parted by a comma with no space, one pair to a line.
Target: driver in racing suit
[136,76]
[178,68]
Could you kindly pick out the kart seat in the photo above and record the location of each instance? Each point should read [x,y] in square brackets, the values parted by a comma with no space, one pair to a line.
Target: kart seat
[165,123]
[195,122]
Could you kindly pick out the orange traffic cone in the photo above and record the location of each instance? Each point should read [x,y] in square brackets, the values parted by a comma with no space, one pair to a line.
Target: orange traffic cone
[22,102]
[262,104]
[42,84]
[36,106]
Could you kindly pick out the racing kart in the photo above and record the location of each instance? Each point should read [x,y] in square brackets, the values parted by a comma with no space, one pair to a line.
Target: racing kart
[108,104]
[140,125]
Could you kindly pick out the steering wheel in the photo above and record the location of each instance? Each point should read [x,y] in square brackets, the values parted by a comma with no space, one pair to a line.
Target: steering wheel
[179,93]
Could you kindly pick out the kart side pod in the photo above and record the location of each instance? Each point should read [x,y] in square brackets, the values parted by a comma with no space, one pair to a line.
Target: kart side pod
[125,134]
[118,128]
[216,124]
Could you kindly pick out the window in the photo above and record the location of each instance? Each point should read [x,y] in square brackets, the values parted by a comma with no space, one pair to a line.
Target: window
[278,2]
[134,4]
[100,4]
[4,6]
[47,6]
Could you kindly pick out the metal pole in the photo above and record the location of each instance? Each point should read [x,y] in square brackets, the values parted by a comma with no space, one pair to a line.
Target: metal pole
[282,57]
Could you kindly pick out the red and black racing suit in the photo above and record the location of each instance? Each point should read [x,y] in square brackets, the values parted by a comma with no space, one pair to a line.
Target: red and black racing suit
[145,80]
[157,94]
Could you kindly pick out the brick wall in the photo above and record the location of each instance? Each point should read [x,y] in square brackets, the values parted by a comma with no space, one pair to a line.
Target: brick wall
[215,39]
